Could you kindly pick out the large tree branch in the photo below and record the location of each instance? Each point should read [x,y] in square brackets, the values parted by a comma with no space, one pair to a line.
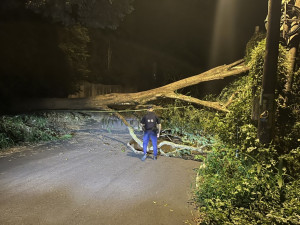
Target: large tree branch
[214,105]
[217,73]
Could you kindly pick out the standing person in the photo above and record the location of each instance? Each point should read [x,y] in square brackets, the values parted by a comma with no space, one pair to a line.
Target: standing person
[151,127]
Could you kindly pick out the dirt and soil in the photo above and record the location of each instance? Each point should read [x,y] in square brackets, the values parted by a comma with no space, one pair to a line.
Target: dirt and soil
[93,178]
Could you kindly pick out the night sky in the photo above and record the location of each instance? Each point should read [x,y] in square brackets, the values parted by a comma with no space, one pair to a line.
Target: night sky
[159,42]
[185,29]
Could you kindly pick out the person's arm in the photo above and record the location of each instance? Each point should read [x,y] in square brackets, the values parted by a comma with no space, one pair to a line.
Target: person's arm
[158,125]
[143,123]
[143,126]
[159,129]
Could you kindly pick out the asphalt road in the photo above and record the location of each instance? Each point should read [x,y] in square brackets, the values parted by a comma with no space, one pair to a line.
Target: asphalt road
[94,178]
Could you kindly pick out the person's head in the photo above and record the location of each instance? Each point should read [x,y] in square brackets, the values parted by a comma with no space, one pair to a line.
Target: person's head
[150,108]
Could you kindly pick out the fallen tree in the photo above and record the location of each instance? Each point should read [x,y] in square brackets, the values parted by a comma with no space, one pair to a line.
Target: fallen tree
[110,101]
[139,98]
[168,91]
[136,144]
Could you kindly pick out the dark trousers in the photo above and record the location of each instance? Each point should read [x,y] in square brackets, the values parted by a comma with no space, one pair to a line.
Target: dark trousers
[147,135]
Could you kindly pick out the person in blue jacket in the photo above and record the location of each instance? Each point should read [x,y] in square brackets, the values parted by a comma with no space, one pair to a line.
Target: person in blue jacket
[151,127]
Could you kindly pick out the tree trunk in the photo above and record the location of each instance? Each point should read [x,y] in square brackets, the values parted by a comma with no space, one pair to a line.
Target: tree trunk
[267,100]
[293,44]
[139,98]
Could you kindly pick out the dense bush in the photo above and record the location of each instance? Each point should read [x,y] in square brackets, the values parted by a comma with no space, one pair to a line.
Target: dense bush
[242,181]
[27,128]
[238,189]
[185,121]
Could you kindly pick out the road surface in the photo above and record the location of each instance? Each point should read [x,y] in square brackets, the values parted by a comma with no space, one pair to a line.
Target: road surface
[94,178]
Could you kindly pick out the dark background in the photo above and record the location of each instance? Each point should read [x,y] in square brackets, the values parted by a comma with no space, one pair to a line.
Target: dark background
[159,42]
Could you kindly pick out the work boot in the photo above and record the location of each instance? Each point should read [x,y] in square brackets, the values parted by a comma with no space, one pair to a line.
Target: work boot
[154,157]
[144,157]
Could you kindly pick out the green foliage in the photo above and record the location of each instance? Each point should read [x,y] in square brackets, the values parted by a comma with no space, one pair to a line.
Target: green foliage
[188,122]
[241,190]
[256,63]
[239,130]
[241,181]
[252,43]
[24,129]
[20,129]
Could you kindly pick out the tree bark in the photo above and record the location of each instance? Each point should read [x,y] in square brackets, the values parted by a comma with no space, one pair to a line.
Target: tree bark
[293,45]
[269,80]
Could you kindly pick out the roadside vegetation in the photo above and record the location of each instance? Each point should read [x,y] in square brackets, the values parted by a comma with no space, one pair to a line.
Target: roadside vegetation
[32,128]
[242,181]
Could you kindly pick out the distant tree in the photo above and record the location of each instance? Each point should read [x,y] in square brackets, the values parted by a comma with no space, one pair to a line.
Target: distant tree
[90,13]
[78,17]
[73,42]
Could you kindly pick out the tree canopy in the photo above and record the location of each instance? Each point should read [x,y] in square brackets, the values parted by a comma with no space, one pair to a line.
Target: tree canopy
[91,13]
